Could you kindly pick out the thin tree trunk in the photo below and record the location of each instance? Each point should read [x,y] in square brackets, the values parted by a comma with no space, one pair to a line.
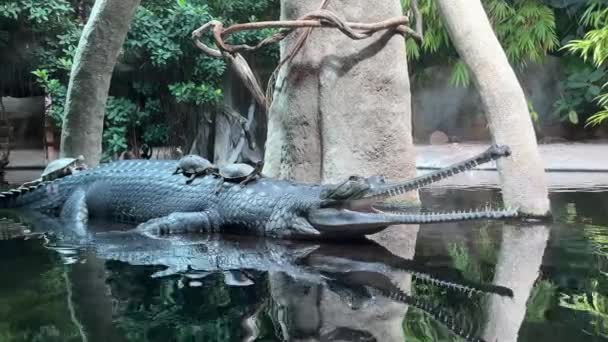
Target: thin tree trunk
[522,175]
[98,49]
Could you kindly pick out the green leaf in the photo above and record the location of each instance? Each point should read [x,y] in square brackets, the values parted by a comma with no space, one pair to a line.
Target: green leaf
[460,75]
[578,84]
[598,118]
[573,117]
[594,90]
[533,114]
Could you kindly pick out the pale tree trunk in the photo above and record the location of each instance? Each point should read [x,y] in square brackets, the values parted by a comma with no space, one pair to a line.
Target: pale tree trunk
[342,107]
[90,290]
[522,175]
[518,267]
[312,310]
[98,49]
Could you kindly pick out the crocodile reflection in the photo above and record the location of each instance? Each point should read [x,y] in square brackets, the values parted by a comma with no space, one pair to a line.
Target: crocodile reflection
[358,273]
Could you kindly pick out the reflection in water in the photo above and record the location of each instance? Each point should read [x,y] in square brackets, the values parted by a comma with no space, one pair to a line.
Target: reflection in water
[518,265]
[315,280]
[489,280]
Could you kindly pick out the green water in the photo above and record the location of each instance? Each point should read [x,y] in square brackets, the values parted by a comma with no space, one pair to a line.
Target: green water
[557,274]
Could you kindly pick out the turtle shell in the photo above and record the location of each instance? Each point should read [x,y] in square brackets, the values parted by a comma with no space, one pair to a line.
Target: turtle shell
[236,171]
[193,164]
[57,167]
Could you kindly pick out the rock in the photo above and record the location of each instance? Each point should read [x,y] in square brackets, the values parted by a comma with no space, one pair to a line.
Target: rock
[438,138]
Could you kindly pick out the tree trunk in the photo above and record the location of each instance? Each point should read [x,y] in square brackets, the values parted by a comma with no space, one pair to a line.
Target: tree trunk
[90,290]
[519,260]
[312,310]
[522,175]
[341,106]
[98,49]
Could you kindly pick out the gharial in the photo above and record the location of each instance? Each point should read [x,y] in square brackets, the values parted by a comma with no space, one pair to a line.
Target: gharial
[146,192]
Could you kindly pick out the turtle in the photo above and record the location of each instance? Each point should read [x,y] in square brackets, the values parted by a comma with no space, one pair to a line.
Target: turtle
[62,167]
[240,173]
[146,151]
[59,168]
[193,166]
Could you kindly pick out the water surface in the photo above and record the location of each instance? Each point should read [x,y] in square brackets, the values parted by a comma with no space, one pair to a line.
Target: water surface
[446,282]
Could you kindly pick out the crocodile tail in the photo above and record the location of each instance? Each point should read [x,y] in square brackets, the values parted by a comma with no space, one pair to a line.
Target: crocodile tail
[8,197]
[463,286]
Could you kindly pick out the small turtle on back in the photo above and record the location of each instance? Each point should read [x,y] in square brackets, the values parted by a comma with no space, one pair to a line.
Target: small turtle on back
[193,166]
[240,173]
[59,168]
[146,151]
[63,167]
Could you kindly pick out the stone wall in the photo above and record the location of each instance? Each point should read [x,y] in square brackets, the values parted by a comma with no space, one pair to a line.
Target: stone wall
[26,115]
[456,111]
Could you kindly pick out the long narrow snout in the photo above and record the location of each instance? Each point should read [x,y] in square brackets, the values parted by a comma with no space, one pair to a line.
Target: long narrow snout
[382,191]
[344,222]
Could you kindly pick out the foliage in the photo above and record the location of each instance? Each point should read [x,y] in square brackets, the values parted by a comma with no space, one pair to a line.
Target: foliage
[199,94]
[528,30]
[540,301]
[594,303]
[57,91]
[593,47]
[55,27]
[36,282]
[578,91]
[420,327]
[525,28]
[120,114]
[467,309]
[158,66]
[164,309]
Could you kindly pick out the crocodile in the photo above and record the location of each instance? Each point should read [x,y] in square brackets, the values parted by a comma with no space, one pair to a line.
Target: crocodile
[147,193]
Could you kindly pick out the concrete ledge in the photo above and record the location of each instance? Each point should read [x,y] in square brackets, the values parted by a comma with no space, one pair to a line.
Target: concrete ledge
[574,157]
[569,166]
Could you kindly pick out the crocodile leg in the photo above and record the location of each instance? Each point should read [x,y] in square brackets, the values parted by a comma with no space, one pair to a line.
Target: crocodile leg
[76,213]
[181,223]
[192,177]
[236,278]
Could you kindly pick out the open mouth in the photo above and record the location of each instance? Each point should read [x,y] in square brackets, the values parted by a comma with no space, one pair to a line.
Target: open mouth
[342,209]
